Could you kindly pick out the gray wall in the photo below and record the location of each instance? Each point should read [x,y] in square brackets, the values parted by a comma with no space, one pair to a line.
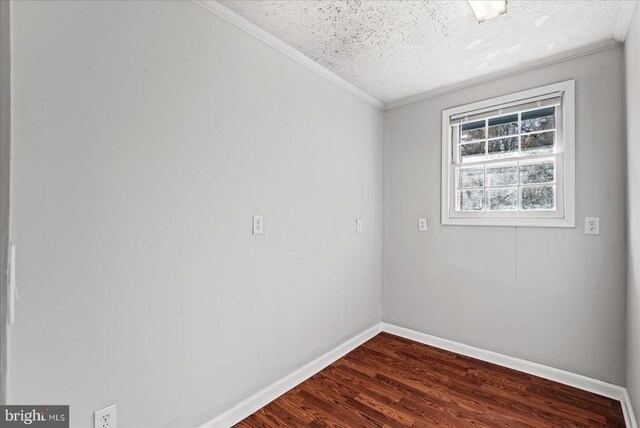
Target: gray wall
[146,134]
[553,296]
[5,134]
[632,56]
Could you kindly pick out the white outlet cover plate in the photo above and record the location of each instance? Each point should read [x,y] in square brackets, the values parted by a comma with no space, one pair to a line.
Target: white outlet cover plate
[592,225]
[359,225]
[422,224]
[105,418]
[258,225]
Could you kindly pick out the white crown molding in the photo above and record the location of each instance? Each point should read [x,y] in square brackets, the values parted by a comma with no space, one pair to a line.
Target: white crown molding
[564,56]
[561,376]
[215,8]
[276,389]
[624,20]
[223,12]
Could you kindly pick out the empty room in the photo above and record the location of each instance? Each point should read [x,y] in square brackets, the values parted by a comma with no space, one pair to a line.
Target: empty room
[319,213]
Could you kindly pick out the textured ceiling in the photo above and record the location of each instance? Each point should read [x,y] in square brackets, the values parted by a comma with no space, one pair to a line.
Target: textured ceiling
[395,49]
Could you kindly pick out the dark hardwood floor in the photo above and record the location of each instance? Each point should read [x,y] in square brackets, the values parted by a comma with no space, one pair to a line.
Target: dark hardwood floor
[394,382]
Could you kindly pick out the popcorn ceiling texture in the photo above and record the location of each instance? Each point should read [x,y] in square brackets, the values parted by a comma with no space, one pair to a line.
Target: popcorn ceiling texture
[394,49]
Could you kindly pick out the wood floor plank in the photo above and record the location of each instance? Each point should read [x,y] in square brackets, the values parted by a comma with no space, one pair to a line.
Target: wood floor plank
[394,382]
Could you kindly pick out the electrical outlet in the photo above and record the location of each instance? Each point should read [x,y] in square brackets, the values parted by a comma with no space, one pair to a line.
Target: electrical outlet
[422,224]
[258,225]
[592,225]
[359,225]
[105,418]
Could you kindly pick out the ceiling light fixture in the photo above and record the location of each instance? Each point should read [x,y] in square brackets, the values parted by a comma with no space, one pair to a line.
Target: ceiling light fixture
[485,10]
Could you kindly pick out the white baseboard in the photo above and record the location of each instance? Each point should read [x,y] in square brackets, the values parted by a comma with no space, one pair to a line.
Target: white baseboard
[273,391]
[561,376]
[627,409]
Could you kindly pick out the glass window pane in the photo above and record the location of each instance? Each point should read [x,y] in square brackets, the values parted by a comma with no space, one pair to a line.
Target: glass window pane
[472,131]
[471,200]
[539,172]
[471,177]
[538,143]
[538,197]
[501,175]
[472,151]
[539,120]
[502,199]
[503,147]
[503,126]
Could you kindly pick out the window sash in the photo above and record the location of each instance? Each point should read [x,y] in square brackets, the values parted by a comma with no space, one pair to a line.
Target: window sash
[516,214]
[455,141]
[564,216]
[518,158]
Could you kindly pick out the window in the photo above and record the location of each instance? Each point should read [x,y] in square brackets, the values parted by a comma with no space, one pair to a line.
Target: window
[509,161]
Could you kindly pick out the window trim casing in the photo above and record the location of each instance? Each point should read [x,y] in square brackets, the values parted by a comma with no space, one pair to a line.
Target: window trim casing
[568,162]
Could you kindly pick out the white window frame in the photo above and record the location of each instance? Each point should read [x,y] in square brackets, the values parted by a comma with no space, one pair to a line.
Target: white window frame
[564,215]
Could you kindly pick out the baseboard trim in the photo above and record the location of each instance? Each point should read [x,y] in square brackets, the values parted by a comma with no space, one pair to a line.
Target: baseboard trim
[276,389]
[273,391]
[561,376]
[627,409]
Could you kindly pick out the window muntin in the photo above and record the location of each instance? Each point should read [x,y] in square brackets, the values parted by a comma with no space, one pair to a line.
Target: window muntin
[497,166]
[510,160]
